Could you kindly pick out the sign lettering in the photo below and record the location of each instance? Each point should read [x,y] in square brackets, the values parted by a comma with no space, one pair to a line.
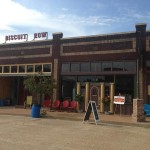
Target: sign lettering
[119,99]
[16,37]
[20,37]
[40,35]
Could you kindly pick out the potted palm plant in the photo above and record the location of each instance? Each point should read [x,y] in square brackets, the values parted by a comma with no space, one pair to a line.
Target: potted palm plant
[38,85]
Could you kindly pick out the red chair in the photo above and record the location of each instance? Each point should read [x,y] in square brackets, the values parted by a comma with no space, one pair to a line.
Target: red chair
[65,105]
[56,104]
[47,103]
[73,106]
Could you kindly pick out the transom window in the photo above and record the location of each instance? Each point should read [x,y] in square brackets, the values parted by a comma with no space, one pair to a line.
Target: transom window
[25,68]
[100,67]
[75,67]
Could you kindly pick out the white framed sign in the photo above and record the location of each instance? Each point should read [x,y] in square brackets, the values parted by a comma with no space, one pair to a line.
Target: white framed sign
[119,99]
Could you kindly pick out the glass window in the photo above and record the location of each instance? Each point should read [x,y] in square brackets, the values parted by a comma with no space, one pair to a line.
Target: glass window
[46,67]
[6,69]
[130,66]
[1,69]
[38,68]
[21,69]
[106,66]
[13,69]
[86,78]
[75,67]
[66,67]
[96,67]
[148,65]
[118,66]
[85,67]
[29,68]
[100,79]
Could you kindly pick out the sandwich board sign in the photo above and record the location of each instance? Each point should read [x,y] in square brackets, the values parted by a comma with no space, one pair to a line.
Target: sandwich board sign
[91,108]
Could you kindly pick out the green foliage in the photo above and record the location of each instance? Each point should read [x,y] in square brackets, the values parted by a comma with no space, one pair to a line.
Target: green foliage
[39,84]
[79,98]
[106,100]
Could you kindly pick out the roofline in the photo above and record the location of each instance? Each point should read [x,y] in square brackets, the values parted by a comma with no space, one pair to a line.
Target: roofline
[33,41]
[98,35]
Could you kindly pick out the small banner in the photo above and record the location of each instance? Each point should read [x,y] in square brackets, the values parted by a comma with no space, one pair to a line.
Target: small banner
[119,99]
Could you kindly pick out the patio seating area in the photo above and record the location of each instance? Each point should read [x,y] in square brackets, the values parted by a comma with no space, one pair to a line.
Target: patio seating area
[57,105]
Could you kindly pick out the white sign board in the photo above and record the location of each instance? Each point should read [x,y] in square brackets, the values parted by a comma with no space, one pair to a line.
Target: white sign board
[119,99]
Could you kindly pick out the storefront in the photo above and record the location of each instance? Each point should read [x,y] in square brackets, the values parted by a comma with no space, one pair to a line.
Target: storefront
[121,59]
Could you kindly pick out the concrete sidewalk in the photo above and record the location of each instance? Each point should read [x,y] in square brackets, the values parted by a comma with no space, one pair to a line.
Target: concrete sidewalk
[111,119]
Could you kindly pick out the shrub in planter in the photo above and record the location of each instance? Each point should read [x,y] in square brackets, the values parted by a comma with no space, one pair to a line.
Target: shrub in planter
[106,102]
[39,85]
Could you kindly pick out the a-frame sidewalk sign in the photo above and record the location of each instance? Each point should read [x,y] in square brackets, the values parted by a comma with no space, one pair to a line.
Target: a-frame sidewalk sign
[91,108]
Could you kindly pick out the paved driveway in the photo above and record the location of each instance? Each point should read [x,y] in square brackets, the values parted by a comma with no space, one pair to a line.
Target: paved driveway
[26,133]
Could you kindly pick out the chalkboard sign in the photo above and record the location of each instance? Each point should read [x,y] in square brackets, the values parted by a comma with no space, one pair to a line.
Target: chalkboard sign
[91,108]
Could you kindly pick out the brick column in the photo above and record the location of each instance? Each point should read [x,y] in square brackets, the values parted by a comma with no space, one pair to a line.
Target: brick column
[140,49]
[55,77]
[138,112]
[56,43]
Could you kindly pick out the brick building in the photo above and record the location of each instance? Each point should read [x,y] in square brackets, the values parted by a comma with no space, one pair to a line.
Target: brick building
[120,58]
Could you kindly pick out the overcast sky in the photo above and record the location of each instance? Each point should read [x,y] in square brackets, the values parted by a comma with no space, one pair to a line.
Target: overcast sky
[72,17]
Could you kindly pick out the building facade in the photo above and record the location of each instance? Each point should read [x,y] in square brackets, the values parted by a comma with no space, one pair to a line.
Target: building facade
[80,65]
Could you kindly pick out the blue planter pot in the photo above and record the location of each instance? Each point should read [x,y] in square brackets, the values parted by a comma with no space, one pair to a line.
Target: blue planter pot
[35,113]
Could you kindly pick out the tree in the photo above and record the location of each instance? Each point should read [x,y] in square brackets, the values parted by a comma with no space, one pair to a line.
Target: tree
[39,84]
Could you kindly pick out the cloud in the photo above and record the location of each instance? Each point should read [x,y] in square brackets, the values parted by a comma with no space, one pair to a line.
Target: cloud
[14,15]
[16,19]
[64,9]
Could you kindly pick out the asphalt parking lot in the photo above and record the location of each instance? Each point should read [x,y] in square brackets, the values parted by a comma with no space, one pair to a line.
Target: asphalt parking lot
[26,133]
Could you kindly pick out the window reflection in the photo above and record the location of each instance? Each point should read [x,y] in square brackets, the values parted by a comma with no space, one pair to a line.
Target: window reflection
[106,66]
[0,69]
[13,69]
[21,69]
[66,67]
[96,67]
[148,65]
[29,68]
[130,66]
[118,66]
[6,69]
[75,67]
[85,67]
[47,68]
[38,68]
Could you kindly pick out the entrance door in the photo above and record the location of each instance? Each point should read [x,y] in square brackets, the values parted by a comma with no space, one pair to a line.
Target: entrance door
[94,94]
[68,89]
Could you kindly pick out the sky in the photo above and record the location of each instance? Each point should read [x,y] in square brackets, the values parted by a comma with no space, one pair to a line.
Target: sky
[71,17]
